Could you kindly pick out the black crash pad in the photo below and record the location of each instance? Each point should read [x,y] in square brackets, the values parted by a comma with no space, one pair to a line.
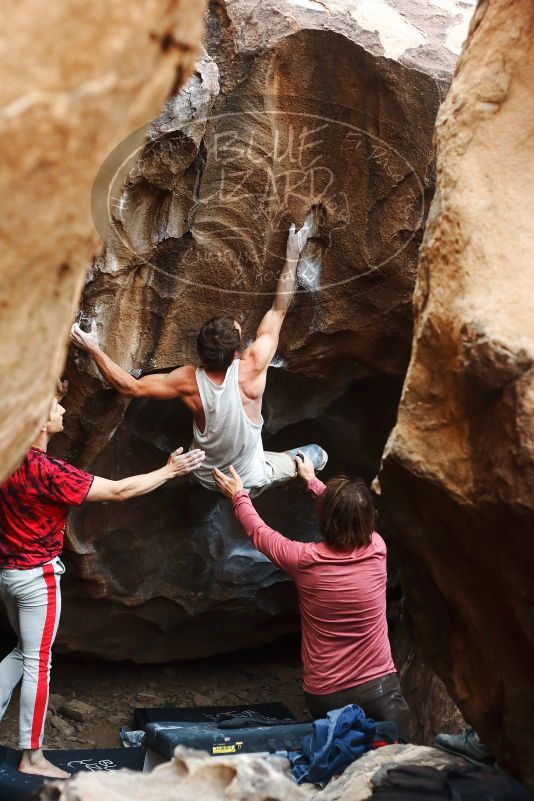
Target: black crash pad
[163,737]
[208,714]
[16,786]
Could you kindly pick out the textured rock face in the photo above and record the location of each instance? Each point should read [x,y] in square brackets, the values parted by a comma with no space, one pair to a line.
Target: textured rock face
[75,82]
[302,105]
[459,468]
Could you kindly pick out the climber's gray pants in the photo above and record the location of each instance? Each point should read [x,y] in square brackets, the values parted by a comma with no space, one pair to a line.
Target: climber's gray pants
[281,467]
[33,602]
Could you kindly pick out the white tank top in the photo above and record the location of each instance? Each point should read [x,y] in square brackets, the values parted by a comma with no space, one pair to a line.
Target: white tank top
[230,436]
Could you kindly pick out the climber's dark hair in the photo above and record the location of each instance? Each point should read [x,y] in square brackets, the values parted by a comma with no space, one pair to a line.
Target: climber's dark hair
[217,342]
[346,514]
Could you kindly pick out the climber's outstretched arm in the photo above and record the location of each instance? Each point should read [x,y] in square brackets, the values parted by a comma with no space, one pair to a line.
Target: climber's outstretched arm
[264,346]
[159,385]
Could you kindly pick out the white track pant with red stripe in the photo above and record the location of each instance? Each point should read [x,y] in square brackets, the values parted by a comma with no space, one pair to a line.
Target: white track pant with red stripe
[33,602]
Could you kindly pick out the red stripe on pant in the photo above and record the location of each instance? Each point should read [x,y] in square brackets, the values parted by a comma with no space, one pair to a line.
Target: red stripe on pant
[41,695]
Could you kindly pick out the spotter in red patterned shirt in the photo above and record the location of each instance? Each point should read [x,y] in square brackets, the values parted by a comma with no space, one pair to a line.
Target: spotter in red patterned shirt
[34,504]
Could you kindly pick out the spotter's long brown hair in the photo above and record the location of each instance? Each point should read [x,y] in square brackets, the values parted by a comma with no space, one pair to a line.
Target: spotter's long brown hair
[346,514]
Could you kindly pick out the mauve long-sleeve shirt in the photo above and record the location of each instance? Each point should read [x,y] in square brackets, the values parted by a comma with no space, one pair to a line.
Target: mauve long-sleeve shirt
[342,600]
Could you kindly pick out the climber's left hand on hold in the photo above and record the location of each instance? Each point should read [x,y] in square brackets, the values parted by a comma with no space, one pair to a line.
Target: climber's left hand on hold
[86,340]
[229,486]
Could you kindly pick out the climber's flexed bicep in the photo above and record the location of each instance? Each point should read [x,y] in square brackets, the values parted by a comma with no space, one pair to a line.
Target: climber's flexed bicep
[159,385]
[264,347]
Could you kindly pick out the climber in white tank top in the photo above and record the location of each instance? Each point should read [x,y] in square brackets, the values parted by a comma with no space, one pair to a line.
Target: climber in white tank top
[225,394]
[229,435]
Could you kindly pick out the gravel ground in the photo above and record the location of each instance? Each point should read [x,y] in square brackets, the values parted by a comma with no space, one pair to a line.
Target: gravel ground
[112,690]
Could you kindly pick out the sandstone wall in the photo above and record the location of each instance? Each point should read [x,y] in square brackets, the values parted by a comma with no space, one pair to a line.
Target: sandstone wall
[76,78]
[458,471]
[302,105]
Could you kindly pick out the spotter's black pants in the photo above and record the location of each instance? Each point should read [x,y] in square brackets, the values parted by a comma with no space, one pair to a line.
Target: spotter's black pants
[380,699]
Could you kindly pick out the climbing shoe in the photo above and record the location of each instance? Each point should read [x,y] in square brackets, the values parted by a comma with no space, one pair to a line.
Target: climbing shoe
[465,744]
[315,454]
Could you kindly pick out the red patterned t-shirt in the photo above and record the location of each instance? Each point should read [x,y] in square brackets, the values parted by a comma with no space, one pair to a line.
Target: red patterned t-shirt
[34,504]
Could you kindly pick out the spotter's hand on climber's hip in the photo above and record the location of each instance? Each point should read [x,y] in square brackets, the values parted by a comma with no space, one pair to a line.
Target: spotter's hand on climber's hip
[228,485]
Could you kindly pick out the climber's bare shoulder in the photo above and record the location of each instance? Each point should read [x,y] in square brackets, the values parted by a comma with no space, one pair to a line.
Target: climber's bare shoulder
[260,353]
[252,380]
[177,383]
[183,382]
[254,360]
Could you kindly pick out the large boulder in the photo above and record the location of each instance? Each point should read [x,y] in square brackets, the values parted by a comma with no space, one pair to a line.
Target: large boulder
[458,471]
[298,107]
[75,80]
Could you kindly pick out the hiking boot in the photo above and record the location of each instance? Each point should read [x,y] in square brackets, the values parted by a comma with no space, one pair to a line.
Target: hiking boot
[315,454]
[465,744]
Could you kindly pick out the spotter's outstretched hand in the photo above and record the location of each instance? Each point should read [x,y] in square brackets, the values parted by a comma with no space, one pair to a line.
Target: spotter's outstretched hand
[229,486]
[82,339]
[181,463]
